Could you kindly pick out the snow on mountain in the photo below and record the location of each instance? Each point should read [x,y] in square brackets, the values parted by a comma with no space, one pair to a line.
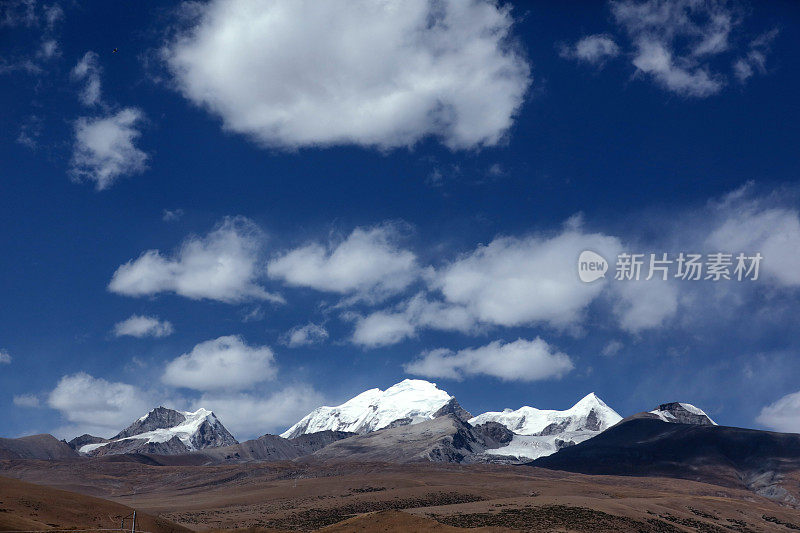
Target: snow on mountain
[590,414]
[682,413]
[167,431]
[540,432]
[408,402]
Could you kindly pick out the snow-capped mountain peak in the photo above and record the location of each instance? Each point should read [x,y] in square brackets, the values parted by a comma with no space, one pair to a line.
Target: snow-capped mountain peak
[185,430]
[590,414]
[540,432]
[407,402]
[682,413]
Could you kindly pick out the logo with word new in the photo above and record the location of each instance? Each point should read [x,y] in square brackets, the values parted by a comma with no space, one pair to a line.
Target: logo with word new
[591,266]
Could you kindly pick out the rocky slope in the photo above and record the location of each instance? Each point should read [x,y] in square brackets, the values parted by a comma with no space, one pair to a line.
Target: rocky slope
[443,439]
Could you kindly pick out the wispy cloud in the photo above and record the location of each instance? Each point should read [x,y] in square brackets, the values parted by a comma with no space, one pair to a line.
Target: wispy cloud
[88,71]
[306,335]
[676,43]
[143,326]
[592,49]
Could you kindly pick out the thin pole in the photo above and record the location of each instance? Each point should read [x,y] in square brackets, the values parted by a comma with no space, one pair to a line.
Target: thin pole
[133,524]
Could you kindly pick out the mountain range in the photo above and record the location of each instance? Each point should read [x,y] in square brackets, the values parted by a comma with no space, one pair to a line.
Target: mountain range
[410,421]
[415,421]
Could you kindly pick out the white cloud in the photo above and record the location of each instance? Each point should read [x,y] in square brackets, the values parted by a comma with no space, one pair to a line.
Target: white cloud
[48,49]
[677,43]
[88,71]
[143,326]
[104,148]
[250,415]
[5,357]
[226,363]
[673,40]
[656,59]
[368,263]
[18,13]
[755,61]
[224,266]
[642,305]
[94,404]
[509,282]
[521,360]
[783,415]
[612,348]
[170,215]
[524,281]
[382,329]
[26,400]
[39,19]
[748,226]
[306,335]
[53,14]
[293,73]
[593,49]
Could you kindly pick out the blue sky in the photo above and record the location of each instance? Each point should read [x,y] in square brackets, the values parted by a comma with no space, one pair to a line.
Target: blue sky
[259,207]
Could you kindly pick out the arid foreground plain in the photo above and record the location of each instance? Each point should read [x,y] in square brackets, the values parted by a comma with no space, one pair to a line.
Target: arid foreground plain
[346,496]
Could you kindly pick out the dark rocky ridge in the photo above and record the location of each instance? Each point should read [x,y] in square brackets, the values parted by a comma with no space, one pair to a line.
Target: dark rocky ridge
[273,447]
[645,446]
[78,442]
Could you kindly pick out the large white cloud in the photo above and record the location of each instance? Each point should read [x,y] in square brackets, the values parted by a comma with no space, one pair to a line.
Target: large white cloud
[224,265]
[294,73]
[105,149]
[521,360]
[368,263]
[512,281]
[225,363]
[95,405]
[143,326]
[783,415]
[521,281]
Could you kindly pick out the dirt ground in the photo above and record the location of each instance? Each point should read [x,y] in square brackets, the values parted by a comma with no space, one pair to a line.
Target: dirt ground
[343,497]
